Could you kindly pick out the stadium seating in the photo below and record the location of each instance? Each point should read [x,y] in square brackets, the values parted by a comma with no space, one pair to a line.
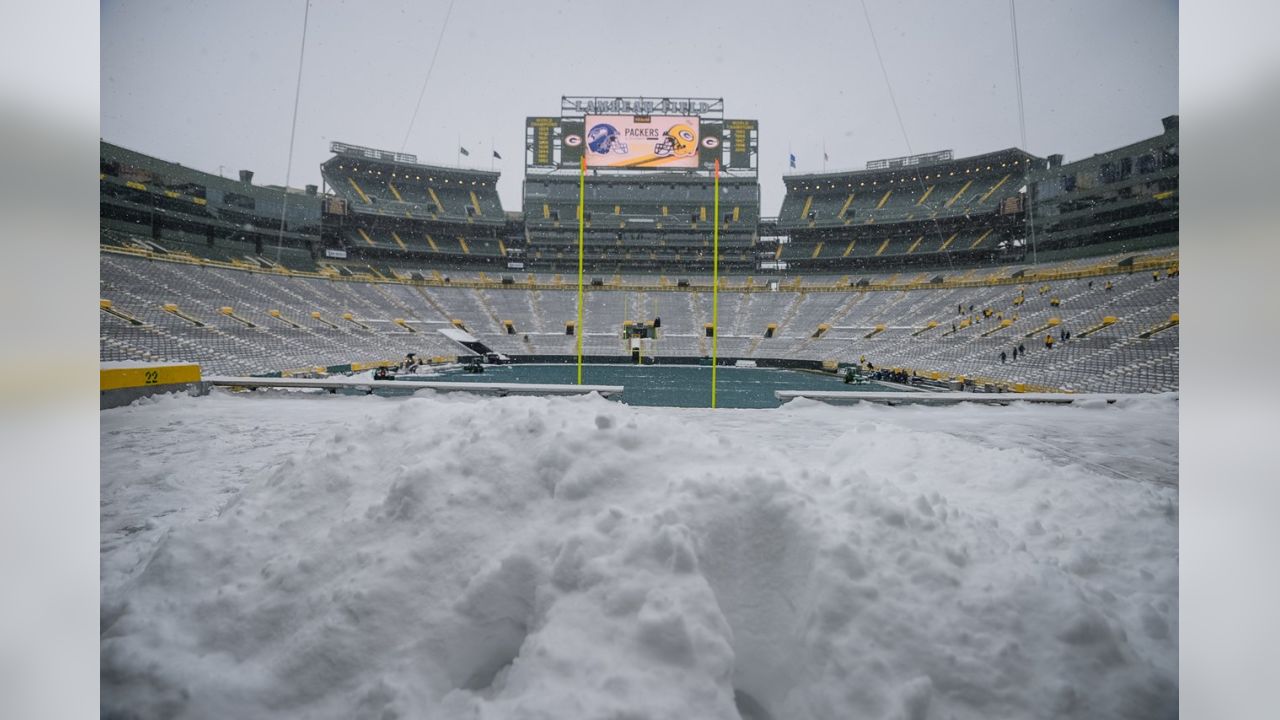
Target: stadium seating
[654,222]
[880,263]
[427,192]
[916,318]
[927,215]
[396,208]
[1129,194]
[142,189]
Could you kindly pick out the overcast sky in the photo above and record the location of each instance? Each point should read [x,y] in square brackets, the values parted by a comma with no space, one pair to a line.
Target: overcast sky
[212,84]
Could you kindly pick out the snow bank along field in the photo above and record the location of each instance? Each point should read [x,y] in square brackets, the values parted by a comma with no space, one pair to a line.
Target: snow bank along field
[290,555]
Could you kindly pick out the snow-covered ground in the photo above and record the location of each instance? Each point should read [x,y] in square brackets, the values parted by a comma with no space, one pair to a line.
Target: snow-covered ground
[289,555]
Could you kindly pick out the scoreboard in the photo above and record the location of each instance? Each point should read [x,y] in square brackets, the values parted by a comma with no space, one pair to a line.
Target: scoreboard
[614,135]
[742,137]
[540,132]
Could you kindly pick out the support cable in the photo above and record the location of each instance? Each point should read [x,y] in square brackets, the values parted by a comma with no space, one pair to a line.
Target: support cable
[1022,127]
[293,128]
[898,114]
[430,67]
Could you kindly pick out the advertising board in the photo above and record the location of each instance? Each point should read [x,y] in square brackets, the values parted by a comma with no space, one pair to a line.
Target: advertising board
[641,141]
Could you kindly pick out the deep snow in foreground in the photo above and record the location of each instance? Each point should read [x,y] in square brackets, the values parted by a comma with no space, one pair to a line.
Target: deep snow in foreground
[458,557]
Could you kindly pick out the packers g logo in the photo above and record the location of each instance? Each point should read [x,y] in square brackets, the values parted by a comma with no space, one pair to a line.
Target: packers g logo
[679,140]
[711,142]
[573,140]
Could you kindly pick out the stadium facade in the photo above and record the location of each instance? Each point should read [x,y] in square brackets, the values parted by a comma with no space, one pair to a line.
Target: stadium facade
[964,257]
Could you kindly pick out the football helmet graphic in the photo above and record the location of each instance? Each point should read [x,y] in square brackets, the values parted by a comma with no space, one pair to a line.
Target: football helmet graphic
[679,140]
[604,139]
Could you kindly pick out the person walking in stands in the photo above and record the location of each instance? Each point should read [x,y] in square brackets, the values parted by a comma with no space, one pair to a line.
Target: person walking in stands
[1048,342]
[1021,350]
[1002,357]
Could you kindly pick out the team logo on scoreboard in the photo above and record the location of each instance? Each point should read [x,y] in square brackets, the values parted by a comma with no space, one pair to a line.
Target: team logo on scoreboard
[710,142]
[573,140]
[603,139]
[646,141]
[679,140]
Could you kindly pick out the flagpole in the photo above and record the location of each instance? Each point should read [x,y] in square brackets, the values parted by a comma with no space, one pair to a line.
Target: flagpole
[491,151]
[824,154]
[459,151]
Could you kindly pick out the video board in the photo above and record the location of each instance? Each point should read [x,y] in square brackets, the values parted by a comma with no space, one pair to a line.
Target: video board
[637,134]
[641,141]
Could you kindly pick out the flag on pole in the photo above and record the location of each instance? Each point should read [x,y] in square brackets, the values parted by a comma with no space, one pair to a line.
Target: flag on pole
[824,156]
[464,151]
[495,154]
[793,160]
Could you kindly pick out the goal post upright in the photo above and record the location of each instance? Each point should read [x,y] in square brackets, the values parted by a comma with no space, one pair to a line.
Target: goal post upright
[582,199]
[715,280]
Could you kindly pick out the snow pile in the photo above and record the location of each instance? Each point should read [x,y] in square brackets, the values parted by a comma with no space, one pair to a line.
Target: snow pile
[531,557]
